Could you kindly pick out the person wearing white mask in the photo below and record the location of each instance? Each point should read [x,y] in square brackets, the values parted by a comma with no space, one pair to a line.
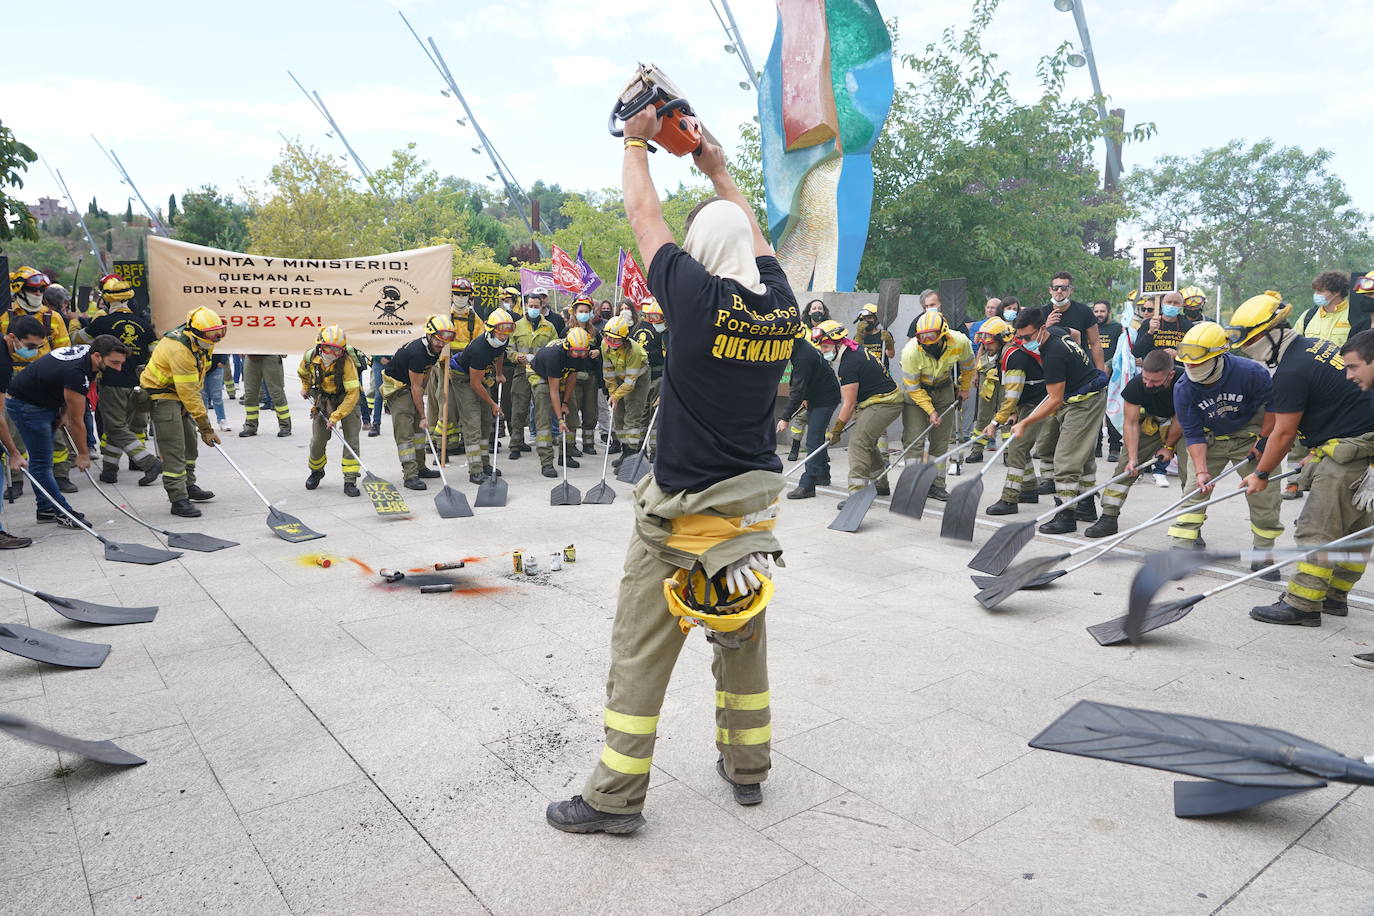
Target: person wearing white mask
[1221,405]
[584,411]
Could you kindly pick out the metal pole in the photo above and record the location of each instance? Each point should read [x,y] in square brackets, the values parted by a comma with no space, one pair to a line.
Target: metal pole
[732,32]
[153,218]
[1080,20]
[57,176]
[314,98]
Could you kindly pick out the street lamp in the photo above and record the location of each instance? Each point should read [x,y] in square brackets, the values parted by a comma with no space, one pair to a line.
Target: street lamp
[1075,59]
[1063,5]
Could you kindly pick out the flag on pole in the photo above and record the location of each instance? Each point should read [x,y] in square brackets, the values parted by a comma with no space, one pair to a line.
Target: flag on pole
[630,280]
[530,280]
[590,281]
[566,275]
[1122,368]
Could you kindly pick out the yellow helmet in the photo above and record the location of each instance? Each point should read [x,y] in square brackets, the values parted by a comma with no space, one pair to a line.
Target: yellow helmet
[333,336]
[829,329]
[577,339]
[931,327]
[1205,340]
[698,600]
[1193,297]
[649,309]
[996,329]
[619,326]
[868,311]
[206,324]
[499,317]
[28,280]
[1364,286]
[440,326]
[114,288]
[1255,316]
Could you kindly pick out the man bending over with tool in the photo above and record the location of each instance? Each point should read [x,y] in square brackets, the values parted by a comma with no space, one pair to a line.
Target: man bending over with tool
[704,518]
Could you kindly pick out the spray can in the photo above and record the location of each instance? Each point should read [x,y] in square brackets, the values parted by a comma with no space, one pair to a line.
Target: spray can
[392,575]
[323,562]
[434,589]
[531,565]
[518,561]
[570,554]
[556,561]
[456,564]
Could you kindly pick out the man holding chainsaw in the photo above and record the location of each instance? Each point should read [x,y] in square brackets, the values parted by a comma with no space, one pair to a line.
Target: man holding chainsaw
[703,540]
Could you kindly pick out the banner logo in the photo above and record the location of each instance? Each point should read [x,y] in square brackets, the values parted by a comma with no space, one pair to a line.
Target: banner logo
[391,303]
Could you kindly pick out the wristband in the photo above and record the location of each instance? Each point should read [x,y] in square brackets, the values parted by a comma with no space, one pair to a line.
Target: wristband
[636,143]
[1263,475]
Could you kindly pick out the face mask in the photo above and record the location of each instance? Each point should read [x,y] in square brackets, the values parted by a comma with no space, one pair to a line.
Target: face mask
[627,314]
[1318,300]
[328,359]
[832,354]
[934,349]
[532,314]
[606,314]
[1206,373]
[657,325]
[584,317]
[27,304]
[495,341]
[1009,315]
[26,352]
[817,313]
[460,304]
[1032,345]
[1171,311]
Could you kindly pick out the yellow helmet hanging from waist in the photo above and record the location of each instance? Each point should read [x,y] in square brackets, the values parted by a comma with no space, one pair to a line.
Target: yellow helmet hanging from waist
[698,600]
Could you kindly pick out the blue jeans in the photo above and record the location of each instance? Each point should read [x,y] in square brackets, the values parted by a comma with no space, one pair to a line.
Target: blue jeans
[237,362]
[212,394]
[35,425]
[817,425]
[377,368]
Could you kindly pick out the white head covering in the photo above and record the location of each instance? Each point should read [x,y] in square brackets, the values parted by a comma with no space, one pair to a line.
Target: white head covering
[722,241]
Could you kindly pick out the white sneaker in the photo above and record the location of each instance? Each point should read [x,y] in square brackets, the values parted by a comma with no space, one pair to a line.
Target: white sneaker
[1162,481]
[225,427]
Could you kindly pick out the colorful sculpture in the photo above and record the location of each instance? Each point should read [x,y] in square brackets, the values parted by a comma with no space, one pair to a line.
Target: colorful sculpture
[823,97]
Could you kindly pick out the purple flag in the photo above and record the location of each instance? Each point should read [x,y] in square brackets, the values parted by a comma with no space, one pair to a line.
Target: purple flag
[590,281]
[532,279]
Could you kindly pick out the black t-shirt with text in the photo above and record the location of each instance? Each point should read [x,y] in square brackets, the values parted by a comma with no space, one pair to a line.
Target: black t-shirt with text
[729,349]
[812,381]
[1157,402]
[1110,335]
[1310,379]
[47,379]
[862,368]
[478,354]
[1065,361]
[134,333]
[552,361]
[1168,337]
[413,357]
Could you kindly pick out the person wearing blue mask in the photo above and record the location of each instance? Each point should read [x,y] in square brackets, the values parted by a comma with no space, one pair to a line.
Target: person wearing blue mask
[1165,329]
[583,411]
[1011,307]
[531,333]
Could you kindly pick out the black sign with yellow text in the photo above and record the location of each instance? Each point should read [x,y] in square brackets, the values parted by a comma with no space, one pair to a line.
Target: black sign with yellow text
[1159,270]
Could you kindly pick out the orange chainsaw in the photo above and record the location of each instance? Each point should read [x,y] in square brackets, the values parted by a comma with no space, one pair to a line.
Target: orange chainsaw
[678,130]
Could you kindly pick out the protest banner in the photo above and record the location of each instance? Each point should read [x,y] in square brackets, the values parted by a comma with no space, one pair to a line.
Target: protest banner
[486,291]
[135,273]
[531,280]
[566,274]
[1159,270]
[279,305]
[629,279]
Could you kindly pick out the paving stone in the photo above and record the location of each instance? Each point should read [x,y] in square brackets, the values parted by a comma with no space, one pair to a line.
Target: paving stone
[227,884]
[57,891]
[434,891]
[1306,881]
[38,832]
[801,892]
[1343,834]
[177,769]
[24,761]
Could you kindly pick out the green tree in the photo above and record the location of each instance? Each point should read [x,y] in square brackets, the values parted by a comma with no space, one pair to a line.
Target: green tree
[129,212]
[15,218]
[171,209]
[46,254]
[214,219]
[972,182]
[312,208]
[412,207]
[142,247]
[109,240]
[1253,218]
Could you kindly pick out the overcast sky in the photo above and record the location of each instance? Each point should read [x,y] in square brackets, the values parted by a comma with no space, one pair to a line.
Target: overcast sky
[187,96]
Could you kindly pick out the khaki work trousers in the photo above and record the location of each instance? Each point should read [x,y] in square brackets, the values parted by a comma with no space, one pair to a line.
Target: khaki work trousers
[411,447]
[179,444]
[1020,471]
[543,421]
[256,371]
[475,417]
[631,415]
[1114,497]
[520,396]
[645,644]
[123,427]
[1327,514]
[865,461]
[915,421]
[1080,423]
[445,425]
[320,436]
[582,412]
[1265,526]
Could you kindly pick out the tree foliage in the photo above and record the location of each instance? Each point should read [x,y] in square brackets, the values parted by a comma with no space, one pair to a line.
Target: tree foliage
[1252,218]
[208,217]
[15,219]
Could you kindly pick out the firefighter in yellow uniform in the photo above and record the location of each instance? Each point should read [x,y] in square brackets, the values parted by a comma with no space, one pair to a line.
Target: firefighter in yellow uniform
[329,380]
[173,378]
[992,337]
[930,363]
[625,366]
[467,326]
[531,332]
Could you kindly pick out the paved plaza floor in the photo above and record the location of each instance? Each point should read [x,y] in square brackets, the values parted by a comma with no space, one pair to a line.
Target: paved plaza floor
[320,741]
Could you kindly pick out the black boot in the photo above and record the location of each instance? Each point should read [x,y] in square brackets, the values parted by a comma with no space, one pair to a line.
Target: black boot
[1001,507]
[588,447]
[185,509]
[1046,487]
[1272,575]
[284,430]
[625,452]
[576,816]
[248,431]
[109,474]
[1062,523]
[1029,498]
[572,462]
[1103,527]
[548,471]
[802,493]
[415,483]
[351,489]
[197,494]
[751,794]
[1284,614]
[65,485]
[1086,511]
[314,479]
[151,475]
[428,473]
[614,447]
[794,452]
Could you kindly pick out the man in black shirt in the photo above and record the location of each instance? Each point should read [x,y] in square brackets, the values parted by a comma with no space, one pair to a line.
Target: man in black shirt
[1075,396]
[1313,400]
[1150,432]
[868,396]
[550,314]
[1023,388]
[813,388]
[1164,330]
[53,390]
[704,518]
[477,410]
[652,336]
[403,387]
[1075,317]
[552,375]
[1109,332]
[123,407]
